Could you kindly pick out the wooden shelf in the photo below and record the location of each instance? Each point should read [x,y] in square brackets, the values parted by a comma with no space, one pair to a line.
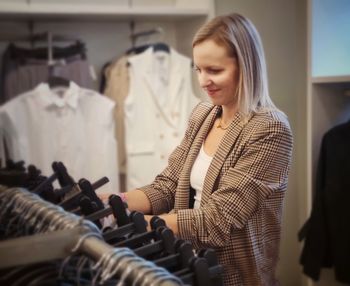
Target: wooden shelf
[331,79]
[334,82]
[107,11]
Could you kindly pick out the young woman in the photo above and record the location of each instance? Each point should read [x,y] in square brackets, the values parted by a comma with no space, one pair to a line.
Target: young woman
[235,154]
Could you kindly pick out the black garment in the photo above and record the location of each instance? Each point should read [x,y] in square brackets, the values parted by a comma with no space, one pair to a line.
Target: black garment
[103,80]
[327,232]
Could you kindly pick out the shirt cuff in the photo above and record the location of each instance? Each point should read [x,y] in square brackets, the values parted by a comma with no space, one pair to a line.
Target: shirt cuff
[188,221]
[158,204]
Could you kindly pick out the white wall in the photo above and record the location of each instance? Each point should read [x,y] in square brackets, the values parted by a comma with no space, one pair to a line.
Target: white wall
[282,26]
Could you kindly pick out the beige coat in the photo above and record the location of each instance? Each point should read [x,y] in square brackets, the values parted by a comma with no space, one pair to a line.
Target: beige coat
[241,207]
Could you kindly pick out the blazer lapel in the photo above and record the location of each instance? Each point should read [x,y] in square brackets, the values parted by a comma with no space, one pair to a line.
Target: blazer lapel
[226,146]
[175,81]
[183,189]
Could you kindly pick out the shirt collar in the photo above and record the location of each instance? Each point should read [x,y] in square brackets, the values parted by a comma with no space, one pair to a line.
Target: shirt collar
[49,97]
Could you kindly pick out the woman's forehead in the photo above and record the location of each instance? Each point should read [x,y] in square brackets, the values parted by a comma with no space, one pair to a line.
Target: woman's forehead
[208,51]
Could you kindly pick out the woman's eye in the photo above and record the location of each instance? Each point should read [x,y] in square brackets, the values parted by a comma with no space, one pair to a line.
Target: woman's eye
[213,71]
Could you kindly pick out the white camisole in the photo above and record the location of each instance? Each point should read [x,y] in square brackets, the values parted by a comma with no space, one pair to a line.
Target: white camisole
[198,173]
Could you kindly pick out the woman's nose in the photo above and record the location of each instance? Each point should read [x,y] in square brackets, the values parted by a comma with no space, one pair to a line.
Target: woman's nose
[204,80]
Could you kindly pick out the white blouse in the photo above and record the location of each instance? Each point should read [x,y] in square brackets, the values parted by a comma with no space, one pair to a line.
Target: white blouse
[199,170]
[41,126]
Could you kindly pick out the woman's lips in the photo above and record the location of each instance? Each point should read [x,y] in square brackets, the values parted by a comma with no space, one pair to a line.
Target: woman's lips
[212,92]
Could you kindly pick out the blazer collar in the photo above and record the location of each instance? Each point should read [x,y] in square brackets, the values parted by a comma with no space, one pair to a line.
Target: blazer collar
[182,201]
[49,98]
[176,77]
[226,146]
[219,158]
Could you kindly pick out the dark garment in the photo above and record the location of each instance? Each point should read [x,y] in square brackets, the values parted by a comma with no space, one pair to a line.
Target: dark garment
[23,69]
[327,232]
[103,81]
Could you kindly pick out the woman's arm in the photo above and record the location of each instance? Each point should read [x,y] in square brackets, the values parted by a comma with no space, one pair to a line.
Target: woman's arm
[138,201]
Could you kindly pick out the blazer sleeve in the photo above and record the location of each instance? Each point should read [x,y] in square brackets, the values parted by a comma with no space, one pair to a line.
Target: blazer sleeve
[161,192]
[261,170]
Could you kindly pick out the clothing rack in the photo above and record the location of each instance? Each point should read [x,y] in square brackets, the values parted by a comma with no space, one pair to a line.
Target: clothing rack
[50,38]
[38,37]
[70,234]
[47,37]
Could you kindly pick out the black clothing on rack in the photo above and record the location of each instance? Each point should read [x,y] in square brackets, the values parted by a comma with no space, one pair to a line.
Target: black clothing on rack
[326,233]
[41,53]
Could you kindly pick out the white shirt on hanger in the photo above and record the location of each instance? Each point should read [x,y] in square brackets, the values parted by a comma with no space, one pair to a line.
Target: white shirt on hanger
[74,126]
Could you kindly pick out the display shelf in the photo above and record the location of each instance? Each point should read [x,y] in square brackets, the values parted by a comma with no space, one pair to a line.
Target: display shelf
[106,10]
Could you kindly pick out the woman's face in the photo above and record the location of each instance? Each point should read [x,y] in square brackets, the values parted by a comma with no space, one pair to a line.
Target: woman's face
[217,72]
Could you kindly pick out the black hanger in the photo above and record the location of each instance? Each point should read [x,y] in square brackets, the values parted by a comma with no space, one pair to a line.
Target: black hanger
[137,225]
[180,260]
[84,187]
[196,274]
[57,81]
[161,47]
[138,49]
[142,237]
[62,174]
[153,244]
[215,269]
[202,269]
[116,207]
[162,246]
[89,207]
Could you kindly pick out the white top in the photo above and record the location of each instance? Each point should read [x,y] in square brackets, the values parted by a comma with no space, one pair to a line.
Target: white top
[74,126]
[199,170]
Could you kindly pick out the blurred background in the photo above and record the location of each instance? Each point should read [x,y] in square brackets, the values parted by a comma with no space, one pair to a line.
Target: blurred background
[307,47]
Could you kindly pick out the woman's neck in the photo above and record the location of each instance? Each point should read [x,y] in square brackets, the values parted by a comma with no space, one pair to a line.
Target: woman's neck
[228,114]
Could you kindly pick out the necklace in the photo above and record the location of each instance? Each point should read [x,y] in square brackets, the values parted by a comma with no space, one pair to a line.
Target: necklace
[220,126]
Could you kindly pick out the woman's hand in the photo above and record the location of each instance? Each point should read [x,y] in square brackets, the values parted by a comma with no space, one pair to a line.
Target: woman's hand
[170,221]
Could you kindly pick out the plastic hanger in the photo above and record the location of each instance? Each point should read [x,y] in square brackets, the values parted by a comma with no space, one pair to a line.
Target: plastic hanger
[116,207]
[84,187]
[137,225]
[180,259]
[163,244]
[142,236]
[57,81]
[161,47]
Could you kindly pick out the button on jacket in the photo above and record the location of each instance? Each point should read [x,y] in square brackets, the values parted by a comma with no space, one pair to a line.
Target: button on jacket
[76,128]
[241,206]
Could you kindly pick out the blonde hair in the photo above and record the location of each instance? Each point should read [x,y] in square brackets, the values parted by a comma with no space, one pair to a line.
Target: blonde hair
[242,41]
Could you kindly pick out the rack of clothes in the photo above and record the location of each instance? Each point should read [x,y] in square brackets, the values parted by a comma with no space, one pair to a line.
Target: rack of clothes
[95,242]
[152,87]
[48,54]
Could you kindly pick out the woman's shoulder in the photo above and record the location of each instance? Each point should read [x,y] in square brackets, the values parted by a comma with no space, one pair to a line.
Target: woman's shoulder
[203,106]
[271,120]
[201,110]
[270,116]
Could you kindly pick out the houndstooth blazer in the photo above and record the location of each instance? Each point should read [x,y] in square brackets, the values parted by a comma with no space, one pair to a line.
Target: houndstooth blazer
[242,199]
